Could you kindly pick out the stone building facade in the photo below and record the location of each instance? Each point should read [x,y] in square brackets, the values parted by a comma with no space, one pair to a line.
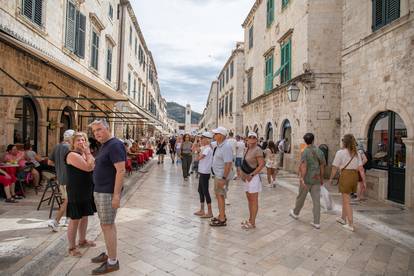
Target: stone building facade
[378,92]
[293,46]
[209,118]
[230,91]
[59,69]
[139,79]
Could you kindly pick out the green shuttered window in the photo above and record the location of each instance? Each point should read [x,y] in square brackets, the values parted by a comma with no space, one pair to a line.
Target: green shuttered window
[109,64]
[270,12]
[75,30]
[285,3]
[285,68]
[384,12]
[33,9]
[269,73]
[95,50]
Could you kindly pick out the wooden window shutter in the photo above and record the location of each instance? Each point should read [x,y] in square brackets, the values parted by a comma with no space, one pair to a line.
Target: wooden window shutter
[70,26]
[37,12]
[378,14]
[393,10]
[80,34]
[28,8]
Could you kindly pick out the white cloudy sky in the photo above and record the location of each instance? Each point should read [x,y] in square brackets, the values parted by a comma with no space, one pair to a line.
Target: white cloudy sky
[190,41]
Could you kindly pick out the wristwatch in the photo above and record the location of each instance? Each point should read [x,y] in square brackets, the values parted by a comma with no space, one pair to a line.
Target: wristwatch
[224,177]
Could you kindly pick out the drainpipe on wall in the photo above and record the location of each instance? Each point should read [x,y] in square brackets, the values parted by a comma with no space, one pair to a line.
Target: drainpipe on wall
[121,33]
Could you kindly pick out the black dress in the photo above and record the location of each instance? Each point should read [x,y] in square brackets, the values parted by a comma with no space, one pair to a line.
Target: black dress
[80,192]
[161,148]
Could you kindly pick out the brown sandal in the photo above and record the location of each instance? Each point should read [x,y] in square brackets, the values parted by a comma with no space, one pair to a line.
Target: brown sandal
[74,252]
[86,243]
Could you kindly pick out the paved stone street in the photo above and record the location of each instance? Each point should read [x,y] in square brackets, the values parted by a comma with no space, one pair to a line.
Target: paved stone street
[159,235]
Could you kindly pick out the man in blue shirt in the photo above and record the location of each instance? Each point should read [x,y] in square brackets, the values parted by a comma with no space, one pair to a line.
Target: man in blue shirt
[108,177]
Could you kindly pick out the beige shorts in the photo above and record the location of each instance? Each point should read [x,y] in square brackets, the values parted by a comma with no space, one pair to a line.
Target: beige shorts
[62,189]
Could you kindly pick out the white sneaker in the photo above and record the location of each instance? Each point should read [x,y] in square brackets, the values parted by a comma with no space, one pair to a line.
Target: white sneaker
[340,220]
[227,202]
[53,225]
[65,223]
[348,227]
[316,226]
[292,214]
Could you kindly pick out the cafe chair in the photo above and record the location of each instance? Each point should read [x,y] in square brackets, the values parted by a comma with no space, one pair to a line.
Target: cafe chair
[55,195]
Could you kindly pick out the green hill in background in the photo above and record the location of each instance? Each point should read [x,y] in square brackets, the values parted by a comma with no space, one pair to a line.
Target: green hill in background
[177,112]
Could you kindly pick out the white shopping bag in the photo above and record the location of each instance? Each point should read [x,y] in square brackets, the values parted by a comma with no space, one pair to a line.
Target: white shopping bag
[326,199]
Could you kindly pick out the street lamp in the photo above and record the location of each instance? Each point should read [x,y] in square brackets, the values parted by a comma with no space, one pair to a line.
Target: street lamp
[293,92]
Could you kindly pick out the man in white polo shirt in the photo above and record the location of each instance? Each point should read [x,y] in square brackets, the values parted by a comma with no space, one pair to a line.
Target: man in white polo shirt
[222,171]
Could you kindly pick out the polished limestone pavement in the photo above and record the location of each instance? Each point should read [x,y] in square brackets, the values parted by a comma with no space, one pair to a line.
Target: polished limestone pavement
[159,235]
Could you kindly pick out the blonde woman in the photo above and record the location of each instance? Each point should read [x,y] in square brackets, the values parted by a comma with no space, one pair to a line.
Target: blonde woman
[251,167]
[349,162]
[80,164]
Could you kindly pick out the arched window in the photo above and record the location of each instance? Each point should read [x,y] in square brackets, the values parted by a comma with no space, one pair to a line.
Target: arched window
[247,131]
[388,152]
[66,120]
[385,140]
[25,128]
[287,135]
[269,132]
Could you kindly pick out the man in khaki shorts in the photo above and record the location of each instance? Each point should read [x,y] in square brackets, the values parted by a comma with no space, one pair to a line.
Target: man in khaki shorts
[221,169]
[57,159]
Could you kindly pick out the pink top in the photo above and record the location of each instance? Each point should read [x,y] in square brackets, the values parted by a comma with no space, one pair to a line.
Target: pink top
[19,158]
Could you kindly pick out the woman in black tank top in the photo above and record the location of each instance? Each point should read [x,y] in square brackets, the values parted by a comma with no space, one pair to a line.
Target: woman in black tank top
[80,164]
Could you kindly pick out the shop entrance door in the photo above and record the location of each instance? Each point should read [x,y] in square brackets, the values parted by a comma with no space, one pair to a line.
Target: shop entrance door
[388,151]
[396,164]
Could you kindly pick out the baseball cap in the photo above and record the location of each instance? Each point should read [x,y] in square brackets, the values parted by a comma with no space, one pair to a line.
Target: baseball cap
[220,130]
[68,134]
[207,135]
[252,133]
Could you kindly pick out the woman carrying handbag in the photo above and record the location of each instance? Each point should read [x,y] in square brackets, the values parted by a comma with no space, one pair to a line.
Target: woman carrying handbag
[349,162]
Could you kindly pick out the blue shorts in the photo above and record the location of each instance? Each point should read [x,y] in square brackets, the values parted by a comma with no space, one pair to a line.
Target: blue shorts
[238,162]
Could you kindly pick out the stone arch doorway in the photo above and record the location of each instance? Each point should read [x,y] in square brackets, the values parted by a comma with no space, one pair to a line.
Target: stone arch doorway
[67,121]
[26,125]
[269,131]
[385,144]
[286,133]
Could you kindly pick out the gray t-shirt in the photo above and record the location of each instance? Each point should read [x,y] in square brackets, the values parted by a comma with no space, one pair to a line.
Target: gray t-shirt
[223,153]
[31,155]
[58,157]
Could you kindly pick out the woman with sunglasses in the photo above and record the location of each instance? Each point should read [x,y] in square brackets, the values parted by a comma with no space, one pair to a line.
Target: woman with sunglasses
[251,167]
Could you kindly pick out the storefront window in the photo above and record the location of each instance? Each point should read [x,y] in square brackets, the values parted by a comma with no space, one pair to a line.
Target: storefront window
[287,135]
[379,144]
[386,141]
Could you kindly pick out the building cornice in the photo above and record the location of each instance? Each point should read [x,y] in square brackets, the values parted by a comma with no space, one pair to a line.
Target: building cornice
[252,11]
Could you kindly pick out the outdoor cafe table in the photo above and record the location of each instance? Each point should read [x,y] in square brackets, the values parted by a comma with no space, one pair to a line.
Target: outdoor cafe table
[9,168]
